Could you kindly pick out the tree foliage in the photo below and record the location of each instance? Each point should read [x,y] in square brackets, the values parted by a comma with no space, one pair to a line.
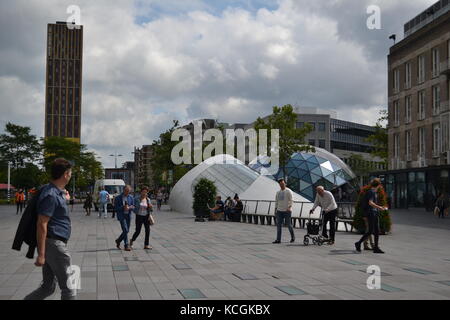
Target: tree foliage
[204,194]
[292,139]
[380,137]
[19,146]
[86,168]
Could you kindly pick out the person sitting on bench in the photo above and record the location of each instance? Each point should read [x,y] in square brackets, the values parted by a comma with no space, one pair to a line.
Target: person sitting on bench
[218,210]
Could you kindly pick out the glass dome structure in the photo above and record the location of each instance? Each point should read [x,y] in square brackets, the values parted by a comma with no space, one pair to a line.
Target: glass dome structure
[230,176]
[305,171]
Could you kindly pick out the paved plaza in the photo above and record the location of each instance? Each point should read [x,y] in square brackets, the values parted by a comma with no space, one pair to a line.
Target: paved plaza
[237,261]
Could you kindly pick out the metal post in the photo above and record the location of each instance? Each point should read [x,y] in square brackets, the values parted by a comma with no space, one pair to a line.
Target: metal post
[9,181]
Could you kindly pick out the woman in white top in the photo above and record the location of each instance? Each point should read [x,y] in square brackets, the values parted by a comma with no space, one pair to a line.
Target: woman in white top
[143,207]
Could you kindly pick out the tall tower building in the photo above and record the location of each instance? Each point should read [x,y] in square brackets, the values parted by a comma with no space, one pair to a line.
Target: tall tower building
[64,81]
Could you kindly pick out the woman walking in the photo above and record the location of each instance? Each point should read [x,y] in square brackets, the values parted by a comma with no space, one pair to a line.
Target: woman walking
[88,204]
[143,208]
[441,205]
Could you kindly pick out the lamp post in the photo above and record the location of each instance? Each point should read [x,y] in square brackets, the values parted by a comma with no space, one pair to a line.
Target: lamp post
[115,155]
[9,181]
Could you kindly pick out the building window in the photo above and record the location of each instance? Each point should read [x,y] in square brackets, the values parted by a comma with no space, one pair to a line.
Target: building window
[322,126]
[396,146]
[422,142]
[396,80]
[396,114]
[435,62]
[408,145]
[322,144]
[408,75]
[436,99]
[421,69]
[421,108]
[300,125]
[436,140]
[445,135]
[408,109]
[312,142]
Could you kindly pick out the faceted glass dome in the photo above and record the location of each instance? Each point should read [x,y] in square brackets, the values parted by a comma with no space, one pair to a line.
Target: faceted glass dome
[306,171]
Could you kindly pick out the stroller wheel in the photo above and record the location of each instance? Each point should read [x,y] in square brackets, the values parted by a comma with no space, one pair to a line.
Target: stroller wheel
[314,240]
[306,241]
[319,242]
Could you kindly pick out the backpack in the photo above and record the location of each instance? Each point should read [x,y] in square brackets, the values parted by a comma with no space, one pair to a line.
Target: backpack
[26,231]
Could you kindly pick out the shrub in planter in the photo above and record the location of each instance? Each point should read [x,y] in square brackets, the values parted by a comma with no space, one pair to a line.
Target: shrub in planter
[204,194]
[385,218]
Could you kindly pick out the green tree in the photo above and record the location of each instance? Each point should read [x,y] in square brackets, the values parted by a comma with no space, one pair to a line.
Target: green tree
[19,146]
[361,167]
[204,194]
[161,161]
[86,168]
[292,139]
[380,137]
[28,177]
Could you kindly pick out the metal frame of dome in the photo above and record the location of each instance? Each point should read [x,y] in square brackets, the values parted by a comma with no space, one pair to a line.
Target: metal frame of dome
[307,170]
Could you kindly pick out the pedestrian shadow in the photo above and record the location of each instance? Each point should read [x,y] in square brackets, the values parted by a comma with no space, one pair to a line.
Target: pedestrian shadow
[100,250]
[342,252]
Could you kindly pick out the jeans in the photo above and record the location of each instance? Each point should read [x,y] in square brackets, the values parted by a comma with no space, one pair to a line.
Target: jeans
[125,225]
[228,214]
[142,220]
[286,217]
[19,207]
[57,261]
[105,210]
[374,228]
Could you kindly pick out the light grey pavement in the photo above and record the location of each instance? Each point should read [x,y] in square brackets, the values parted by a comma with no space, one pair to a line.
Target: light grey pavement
[225,260]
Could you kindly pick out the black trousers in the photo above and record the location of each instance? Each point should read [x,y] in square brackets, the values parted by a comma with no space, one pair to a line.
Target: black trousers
[142,220]
[374,228]
[329,217]
[19,207]
[441,212]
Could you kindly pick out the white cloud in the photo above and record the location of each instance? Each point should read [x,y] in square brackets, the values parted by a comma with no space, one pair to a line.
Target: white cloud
[188,61]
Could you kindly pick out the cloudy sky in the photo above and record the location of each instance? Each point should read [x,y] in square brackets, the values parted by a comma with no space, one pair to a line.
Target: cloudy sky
[148,62]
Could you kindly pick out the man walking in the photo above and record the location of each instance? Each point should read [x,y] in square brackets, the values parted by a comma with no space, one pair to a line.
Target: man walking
[124,205]
[53,233]
[283,209]
[371,208]
[104,200]
[326,201]
[20,201]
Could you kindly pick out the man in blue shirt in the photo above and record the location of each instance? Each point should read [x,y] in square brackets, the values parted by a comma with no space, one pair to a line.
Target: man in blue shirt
[53,233]
[124,206]
[104,199]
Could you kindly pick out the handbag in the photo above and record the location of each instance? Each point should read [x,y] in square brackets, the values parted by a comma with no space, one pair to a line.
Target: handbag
[151,219]
[436,211]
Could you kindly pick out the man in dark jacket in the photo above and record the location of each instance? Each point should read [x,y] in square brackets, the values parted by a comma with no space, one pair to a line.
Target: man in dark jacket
[124,205]
[53,233]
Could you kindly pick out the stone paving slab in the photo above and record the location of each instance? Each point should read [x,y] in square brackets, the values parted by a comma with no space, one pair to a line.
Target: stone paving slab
[225,260]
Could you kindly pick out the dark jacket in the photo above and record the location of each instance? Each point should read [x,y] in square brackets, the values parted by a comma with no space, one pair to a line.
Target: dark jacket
[27,229]
[118,206]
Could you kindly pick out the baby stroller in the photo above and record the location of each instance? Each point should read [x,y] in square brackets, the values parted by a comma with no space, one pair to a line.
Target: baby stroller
[313,227]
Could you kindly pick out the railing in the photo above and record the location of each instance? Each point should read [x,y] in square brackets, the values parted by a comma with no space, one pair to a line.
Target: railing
[445,66]
[444,106]
[263,212]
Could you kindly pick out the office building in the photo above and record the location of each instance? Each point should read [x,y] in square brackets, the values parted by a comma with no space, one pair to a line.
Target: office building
[64,81]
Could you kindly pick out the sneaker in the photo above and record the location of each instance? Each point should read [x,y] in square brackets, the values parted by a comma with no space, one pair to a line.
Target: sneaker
[148,248]
[377,250]
[358,246]
[127,248]
[131,244]
[118,245]
[292,240]
[277,241]
[368,248]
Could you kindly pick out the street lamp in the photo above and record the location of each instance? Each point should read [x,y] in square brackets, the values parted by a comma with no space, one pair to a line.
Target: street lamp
[9,181]
[115,155]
